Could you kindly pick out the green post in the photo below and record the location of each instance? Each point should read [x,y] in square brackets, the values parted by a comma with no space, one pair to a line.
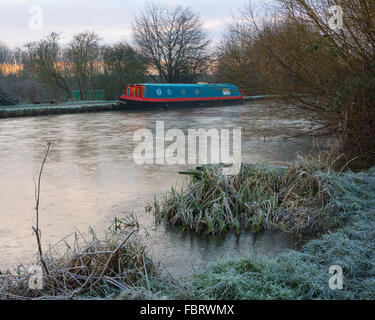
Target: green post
[76,95]
[99,95]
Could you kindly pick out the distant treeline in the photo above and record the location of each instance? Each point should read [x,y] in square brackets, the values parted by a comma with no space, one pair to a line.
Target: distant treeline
[169,45]
[52,71]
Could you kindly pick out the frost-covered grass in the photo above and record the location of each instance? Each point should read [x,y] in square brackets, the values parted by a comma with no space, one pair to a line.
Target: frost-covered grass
[299,274]
[62,104]
[47,109]
[305,197]
[302,274]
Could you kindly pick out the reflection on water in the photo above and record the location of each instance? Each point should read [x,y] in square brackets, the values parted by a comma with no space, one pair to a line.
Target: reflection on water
[90,177]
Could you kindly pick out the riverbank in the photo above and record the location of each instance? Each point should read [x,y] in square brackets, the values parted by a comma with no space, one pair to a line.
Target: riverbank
[302,274]
[31,110]
[102,269]
[296,275]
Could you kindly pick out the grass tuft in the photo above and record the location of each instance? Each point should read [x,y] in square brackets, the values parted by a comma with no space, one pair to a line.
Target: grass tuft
[306,196]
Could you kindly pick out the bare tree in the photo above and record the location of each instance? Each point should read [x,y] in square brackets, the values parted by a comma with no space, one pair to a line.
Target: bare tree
[327,73]
[47,62]
[84,55]
[121,65]
[5,53]
[237,58]
[172,41]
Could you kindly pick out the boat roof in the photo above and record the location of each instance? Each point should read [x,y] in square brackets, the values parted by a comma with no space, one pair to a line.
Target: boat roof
[187,84]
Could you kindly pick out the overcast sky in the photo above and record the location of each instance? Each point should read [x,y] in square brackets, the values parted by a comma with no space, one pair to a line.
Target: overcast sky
[111,19]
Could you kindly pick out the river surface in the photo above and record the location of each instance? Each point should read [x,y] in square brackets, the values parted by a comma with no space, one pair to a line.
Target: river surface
[90,177]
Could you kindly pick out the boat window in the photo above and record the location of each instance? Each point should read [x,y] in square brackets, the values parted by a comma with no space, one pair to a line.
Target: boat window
[158,92]
[133,92]
[169,91]
[183,92]
[226,92]
[138,93]
[196,91]
[128,91]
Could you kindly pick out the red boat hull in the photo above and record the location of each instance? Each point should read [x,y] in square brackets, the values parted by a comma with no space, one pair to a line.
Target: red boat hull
[150,104]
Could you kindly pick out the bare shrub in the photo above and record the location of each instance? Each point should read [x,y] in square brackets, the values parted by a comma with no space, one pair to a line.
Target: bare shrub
[328,74]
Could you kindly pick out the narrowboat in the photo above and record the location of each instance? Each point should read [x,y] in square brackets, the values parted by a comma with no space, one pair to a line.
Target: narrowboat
[151,95]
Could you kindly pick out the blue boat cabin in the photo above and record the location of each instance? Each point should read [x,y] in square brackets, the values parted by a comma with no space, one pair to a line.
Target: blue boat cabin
[149,95]
[181,92]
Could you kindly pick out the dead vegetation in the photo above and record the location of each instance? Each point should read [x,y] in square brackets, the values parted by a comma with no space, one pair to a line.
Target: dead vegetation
[92,268]
[289,49]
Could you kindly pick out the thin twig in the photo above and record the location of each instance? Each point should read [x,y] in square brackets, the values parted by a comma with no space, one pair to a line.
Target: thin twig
[36,229]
